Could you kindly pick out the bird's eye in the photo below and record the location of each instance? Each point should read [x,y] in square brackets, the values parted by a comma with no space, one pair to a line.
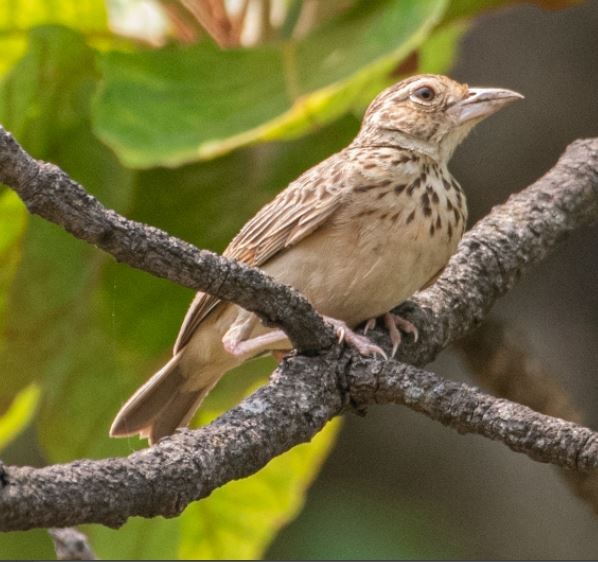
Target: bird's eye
[425,93]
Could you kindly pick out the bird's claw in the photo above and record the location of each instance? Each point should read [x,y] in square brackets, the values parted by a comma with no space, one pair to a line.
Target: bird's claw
[395,324]
[361,343]
[369,325]
[405,326]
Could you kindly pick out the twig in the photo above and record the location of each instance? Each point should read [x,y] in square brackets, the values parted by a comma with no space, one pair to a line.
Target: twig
[214,18]
[71,544]
[305,392]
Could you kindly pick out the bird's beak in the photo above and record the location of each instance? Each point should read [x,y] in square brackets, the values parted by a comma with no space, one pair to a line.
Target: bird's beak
[481,103]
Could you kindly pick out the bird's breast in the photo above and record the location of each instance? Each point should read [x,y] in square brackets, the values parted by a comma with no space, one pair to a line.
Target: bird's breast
[387,242]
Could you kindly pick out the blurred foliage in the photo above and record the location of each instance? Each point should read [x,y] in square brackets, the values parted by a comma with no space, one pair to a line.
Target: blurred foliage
[82,331]
[395,531]
[19,414]
[151,108]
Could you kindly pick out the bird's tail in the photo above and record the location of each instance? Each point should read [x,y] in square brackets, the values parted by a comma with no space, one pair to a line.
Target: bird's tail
[162,404]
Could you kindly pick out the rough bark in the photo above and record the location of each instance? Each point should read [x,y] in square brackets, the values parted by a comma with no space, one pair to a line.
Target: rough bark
[305,391]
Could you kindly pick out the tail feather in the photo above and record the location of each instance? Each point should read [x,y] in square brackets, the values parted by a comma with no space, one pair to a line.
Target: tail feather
[161,405]
[176,413]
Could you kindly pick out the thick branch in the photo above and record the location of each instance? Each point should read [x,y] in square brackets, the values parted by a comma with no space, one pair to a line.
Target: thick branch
[302,396]
[305,392]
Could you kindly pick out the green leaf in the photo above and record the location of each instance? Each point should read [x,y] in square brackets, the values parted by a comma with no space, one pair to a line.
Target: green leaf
[19,414]
[437,54]
[181,104]
[43,98]
[239,520]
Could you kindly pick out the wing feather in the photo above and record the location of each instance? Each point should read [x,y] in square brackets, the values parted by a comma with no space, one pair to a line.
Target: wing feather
[291,216]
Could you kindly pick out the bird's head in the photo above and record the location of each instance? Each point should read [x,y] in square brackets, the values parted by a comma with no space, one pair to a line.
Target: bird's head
[429,114]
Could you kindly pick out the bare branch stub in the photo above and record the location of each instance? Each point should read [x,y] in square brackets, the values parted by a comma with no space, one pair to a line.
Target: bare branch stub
[305,392]
[71,544]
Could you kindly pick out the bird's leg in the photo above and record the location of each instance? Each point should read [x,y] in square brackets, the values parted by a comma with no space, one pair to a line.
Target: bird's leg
[234,343]
[362,344]
[405,325]
[394,323]
[237,340]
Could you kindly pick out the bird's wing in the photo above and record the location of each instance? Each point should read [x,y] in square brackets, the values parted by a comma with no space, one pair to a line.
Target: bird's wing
[295,213]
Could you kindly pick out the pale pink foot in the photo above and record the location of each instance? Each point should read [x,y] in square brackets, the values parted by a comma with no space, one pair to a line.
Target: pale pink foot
[238,347]
[394,324]
[362,344]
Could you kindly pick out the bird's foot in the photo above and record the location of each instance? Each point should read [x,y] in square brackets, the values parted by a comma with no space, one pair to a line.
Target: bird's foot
[362,344]
[395,324]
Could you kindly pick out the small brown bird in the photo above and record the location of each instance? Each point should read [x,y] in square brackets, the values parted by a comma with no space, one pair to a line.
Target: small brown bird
[357,234]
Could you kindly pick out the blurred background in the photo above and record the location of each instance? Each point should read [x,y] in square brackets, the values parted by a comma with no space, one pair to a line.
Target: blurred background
[177,115]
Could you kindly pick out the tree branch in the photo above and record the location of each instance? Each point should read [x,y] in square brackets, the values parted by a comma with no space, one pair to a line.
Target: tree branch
[48,192]
[304,392]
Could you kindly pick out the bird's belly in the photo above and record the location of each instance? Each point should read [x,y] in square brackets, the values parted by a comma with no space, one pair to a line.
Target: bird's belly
[359,273]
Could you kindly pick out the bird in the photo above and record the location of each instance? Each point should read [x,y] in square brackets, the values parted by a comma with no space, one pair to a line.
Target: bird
[357,234]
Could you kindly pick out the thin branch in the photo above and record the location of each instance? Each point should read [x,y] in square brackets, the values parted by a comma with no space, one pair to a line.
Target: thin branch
[214,18]
[304,392]
[500,359]
[466,409]
[184,28]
